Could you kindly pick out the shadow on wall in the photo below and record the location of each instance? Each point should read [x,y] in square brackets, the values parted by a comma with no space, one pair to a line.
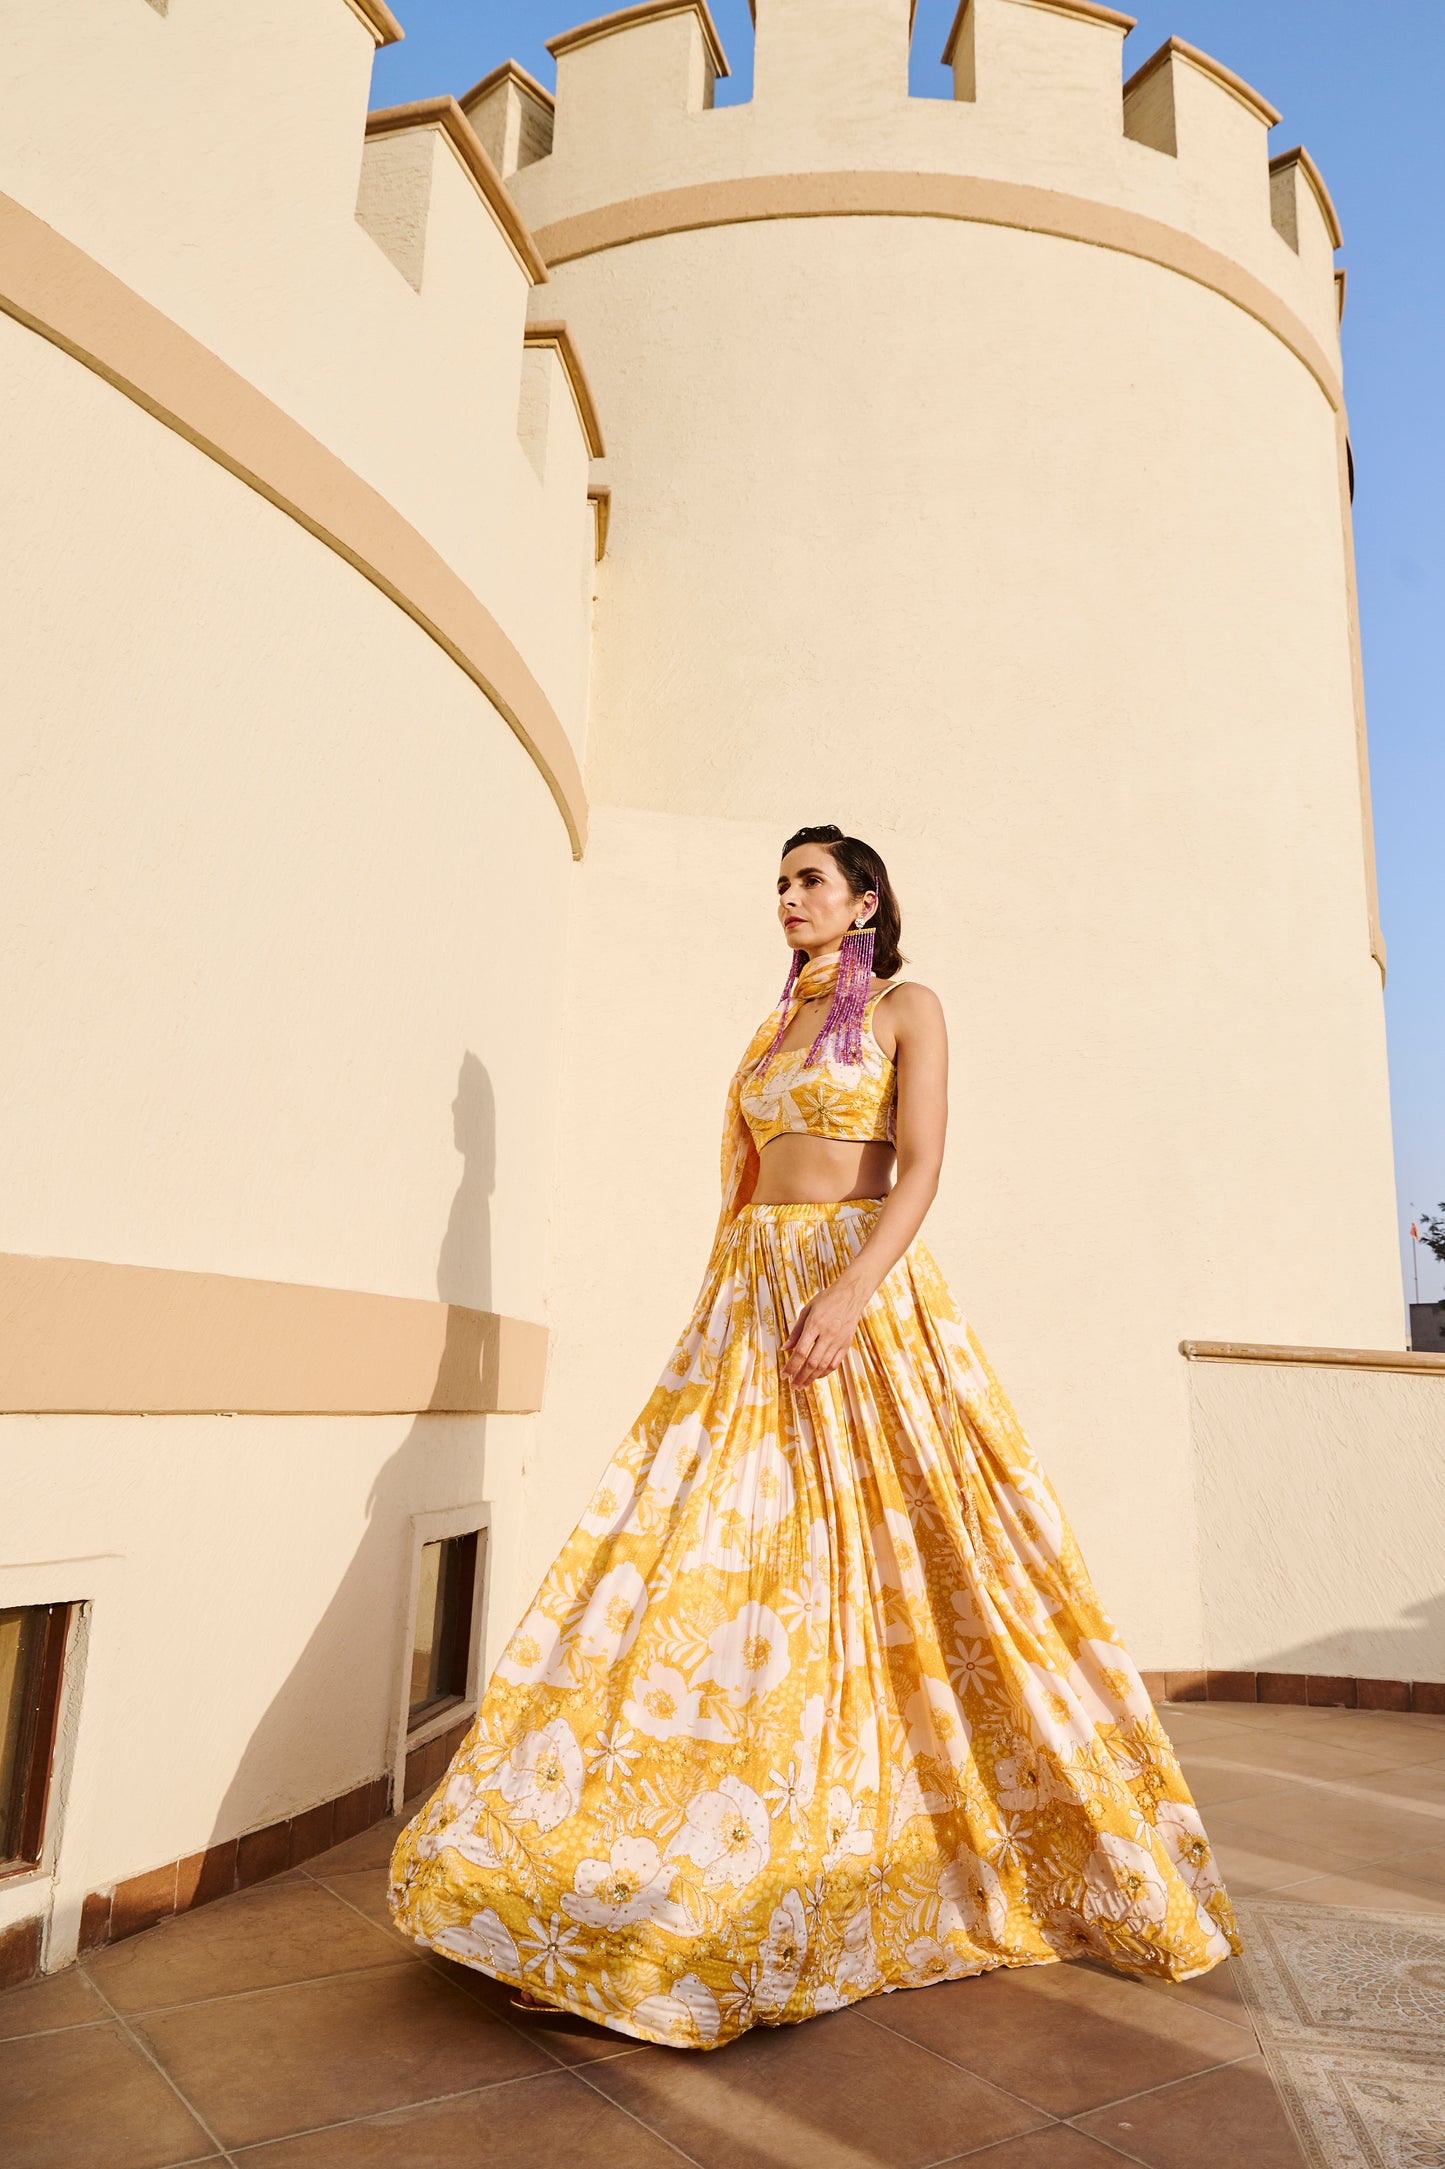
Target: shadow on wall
[357,1638]
[1410,1651]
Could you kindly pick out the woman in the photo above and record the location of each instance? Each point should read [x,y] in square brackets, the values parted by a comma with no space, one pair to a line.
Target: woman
[818,1700]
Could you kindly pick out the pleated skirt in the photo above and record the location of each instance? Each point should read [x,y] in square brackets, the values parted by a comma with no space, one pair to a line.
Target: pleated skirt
[818,1700]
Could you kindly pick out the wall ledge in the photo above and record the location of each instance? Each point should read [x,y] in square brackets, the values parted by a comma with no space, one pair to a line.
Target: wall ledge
[1345,1359]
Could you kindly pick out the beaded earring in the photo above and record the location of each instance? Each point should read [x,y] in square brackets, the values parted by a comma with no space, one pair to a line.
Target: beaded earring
[842,1028]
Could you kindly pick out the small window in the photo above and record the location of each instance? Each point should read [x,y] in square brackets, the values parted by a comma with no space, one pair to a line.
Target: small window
[32,1656]
[442,1639]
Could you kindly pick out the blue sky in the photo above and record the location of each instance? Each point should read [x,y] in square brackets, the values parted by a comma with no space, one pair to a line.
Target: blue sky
[1362,83]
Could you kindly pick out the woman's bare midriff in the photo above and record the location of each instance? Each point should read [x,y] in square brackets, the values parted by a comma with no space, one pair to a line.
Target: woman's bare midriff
[797,1170]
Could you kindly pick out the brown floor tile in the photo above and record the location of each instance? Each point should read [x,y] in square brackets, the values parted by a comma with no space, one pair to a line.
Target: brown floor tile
[368,1849]
[1217,1991]
[1425,1864]
[1291,1755]
[1251,1866]
[1213,1787]
[363,1888]
[1060,2147]
[1364,1829]
[88,2099]
[835,2090]
[552,2122]
[1064,2037]
[65,1999]
[268,2065]
[291,1931]
[571,2040]
[1411,1781]
[1231,2117]
[1385,1888]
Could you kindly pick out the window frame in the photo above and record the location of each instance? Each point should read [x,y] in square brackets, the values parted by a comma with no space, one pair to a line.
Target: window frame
[38,1782]
[424,1529]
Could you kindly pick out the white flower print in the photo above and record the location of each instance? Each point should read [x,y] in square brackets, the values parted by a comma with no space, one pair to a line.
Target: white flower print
[1018,1776]
[1032,1518]
[484,1936]
[1123,1882]
[929,1961]
[664,1706]
[847,1839]
[725,1834]
[1058,1717]
[555,1948]
[747,1654]
[784,1949]
[630,1885]
[806,1605]
[936,1725]
[682,1455]
[1012,1841]
[688,2016]
[1181,1832]
[611,1504]
[528,1656]
[971,1665]
[613,1753]
[972,1901]
[609,1626]
[912,1798]
[857,1963]
[542,1777]
[895,1548]
[1106,1681]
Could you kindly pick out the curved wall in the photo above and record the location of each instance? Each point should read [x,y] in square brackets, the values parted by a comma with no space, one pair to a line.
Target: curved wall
[1027,559]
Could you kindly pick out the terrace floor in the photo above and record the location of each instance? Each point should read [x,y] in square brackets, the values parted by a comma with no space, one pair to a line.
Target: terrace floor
[289,2027]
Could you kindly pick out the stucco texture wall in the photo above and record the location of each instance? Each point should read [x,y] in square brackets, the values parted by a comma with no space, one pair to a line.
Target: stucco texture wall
[1322,1518]
[1025,560]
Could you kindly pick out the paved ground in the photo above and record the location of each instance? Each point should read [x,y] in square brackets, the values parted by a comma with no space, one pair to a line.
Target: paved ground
[288,2027]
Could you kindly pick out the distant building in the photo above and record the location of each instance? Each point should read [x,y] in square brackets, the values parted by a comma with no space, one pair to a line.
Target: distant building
[1427,1328]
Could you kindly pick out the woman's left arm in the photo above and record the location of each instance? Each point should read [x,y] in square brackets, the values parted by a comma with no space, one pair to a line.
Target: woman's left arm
[824,1331]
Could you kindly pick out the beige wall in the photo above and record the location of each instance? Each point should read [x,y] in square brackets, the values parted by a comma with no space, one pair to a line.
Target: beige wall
[286,892]
[1025,559]
[999,520]
[1125,825]
[246,1579]
[1322,1517]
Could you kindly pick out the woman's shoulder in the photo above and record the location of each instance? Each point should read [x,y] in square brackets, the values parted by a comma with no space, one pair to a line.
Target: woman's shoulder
[911,1012]
[908,998]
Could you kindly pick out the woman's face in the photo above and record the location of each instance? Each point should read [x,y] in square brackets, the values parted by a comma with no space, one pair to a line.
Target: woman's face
[815,904]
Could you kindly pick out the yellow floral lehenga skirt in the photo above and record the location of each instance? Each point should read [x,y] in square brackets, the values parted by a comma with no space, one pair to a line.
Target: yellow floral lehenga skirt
[818,1700]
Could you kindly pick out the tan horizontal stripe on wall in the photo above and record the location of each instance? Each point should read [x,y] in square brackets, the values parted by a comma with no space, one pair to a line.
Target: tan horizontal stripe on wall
[57,290]
[938,195]
[1347,1359]
[79,1336]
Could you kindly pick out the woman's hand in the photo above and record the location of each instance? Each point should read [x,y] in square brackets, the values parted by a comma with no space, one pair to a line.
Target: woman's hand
[823,1334]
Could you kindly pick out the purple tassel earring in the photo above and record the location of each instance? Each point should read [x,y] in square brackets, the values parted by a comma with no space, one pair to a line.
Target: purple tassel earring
[783,1001]
[842,1028]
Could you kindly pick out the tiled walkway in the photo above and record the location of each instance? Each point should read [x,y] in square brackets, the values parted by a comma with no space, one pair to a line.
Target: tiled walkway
[288,2027]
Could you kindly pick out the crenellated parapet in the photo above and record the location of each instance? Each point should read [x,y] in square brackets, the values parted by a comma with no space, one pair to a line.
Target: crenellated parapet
[307,268]
[1040,104]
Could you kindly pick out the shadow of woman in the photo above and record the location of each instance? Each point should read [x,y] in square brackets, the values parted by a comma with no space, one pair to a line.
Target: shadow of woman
[333,1710]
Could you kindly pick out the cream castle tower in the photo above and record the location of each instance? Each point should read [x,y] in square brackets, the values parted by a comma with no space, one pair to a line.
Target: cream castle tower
[448,550]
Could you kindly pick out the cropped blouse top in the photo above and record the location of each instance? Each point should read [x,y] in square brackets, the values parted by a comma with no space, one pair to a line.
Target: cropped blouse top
[855,1102]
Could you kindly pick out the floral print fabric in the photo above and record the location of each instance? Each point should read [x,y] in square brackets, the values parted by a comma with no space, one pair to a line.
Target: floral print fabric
[818,1700]
[855,1101]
